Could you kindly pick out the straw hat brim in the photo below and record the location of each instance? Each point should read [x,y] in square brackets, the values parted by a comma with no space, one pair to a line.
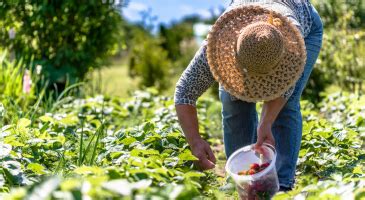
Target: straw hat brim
[221,51]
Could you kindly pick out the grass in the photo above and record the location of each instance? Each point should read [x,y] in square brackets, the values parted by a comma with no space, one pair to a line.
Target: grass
[113,80]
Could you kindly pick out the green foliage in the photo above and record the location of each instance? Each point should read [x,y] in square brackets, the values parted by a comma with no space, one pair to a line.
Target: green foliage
[91,147]
[65,37]
[327,150]
[96,142]
[334,12]
[133,148]
[13,97]
[345,108]
[173,36]
[332,157]
[148,60]
[155,58]
[342,58]
[178,40]
[338,188]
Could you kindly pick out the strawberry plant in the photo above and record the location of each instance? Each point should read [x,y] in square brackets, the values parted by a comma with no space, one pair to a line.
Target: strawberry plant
[135,142]
[105,148]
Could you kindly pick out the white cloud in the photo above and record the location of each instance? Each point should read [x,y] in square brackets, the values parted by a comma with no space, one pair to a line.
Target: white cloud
[133,10]
[136,6]
[189,10]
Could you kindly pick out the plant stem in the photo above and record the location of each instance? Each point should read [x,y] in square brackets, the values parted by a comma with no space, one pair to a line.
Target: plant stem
[81,142]
[101,130]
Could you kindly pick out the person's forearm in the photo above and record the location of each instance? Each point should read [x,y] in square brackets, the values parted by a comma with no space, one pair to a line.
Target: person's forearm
[188,119]
[271,109]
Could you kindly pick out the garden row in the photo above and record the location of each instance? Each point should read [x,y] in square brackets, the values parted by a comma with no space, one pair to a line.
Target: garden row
[108,148]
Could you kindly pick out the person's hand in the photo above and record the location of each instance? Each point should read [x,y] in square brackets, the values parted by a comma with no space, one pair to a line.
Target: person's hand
[264,135]
[201,149]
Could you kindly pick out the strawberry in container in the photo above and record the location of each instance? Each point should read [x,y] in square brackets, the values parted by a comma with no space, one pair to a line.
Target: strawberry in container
[254,173]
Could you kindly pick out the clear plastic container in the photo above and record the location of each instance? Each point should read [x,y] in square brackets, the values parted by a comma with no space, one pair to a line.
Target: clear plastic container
[262,185]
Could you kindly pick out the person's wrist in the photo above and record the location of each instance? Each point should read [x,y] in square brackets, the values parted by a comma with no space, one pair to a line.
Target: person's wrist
[195,141]
[266,123]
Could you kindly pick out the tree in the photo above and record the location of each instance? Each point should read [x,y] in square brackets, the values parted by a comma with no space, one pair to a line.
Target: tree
[148,60]
[66,37]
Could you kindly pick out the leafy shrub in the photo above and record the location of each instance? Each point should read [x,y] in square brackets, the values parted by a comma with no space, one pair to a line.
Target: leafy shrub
[173,36]
[65,37]
[332,12]
[342,58]
[148,60]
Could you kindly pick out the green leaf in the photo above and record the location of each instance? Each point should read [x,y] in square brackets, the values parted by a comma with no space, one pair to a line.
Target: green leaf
[194,174]
[115,155]
[358,170]
[149,140]
[46,118]
[70,184]
[13,141]
[360,120]
[360,194]
[186,156]
[175,135]
[144,152]
[36,168]
[23,123]
[148,126]
[129,140]
[85,170]
[70,120]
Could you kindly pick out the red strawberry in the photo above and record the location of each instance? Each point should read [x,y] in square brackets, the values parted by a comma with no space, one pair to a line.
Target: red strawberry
[255,166]
[251,171]
[265,165]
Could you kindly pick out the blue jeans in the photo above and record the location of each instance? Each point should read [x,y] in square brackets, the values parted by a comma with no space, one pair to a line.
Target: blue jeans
[240,118]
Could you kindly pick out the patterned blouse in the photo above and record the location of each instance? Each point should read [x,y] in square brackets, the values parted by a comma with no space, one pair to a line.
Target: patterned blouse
[197,78]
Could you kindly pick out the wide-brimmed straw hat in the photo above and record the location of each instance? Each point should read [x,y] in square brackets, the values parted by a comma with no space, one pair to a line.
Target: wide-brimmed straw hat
[255,53]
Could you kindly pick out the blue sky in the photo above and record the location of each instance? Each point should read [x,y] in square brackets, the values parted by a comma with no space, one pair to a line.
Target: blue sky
[168,10]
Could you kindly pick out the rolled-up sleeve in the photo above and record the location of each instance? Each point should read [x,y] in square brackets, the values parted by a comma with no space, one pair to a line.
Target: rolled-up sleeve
[195,80]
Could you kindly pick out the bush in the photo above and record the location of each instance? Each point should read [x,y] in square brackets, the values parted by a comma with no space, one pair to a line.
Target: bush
[342,58]
[148,60]
[66,37]
[333,11]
